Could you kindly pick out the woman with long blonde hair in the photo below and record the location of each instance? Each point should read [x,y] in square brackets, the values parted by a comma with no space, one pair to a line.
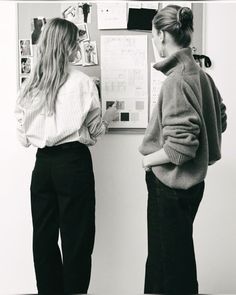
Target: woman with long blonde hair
[58,111]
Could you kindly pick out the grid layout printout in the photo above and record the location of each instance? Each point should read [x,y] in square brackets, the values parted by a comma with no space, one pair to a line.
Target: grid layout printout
[157,80]
[124,79]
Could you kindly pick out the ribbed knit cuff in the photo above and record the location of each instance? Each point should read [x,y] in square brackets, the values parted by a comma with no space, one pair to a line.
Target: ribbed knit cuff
[174,156]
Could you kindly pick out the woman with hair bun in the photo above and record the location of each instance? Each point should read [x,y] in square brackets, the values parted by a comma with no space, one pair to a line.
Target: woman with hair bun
[58,111]
[183,137]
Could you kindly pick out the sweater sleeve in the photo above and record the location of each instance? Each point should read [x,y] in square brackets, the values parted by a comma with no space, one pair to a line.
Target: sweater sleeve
[223,116]
[219,102]
[180,121]
[222,112]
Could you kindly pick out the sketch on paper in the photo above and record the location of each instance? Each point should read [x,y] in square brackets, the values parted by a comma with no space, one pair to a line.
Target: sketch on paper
[112,15]
[77,13]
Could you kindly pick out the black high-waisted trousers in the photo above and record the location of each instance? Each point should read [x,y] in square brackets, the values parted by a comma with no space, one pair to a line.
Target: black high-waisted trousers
[171,266]
[63,200]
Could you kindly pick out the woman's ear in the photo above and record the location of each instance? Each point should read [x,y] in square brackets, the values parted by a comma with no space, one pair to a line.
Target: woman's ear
[162,36]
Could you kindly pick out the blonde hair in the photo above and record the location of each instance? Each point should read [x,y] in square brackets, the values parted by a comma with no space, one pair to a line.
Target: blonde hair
[57,43]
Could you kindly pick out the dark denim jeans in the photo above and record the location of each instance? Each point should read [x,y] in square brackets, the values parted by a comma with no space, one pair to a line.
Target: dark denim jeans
[171,266]
[63,198]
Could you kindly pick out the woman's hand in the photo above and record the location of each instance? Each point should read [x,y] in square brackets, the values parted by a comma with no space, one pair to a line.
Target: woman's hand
[145,164]
[110,114]
[155,159]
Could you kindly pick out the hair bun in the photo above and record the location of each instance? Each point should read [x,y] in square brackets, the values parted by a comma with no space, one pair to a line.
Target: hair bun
[185,18]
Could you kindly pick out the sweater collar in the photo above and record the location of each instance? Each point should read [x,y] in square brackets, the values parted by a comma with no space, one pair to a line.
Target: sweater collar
[179,61]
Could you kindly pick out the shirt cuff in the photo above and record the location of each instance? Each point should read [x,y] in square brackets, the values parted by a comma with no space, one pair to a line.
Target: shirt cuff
[106,124]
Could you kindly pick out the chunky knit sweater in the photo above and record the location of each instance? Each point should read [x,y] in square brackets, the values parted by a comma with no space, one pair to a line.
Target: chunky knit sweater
[187,122]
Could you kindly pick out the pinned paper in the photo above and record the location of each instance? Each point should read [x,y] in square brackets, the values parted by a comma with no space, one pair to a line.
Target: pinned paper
[157,79]
[112,15]
[141,19]
[124,78]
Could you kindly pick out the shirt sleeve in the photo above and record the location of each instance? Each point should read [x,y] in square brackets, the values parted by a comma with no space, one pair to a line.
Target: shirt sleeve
[19,114]
[93,120]
[181,123]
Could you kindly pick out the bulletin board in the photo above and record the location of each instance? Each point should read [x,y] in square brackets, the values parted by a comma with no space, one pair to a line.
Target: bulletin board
[124,73]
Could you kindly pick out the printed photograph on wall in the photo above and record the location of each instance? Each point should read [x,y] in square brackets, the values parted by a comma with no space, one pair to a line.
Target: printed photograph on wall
[89,53]
[83,32]
[70,13]
[86,9]
[37,25]
[23,79]
[25,47]
[25,65]
[77,13]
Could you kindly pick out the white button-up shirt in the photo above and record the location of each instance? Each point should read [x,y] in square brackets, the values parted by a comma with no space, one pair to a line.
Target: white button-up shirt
[77,116]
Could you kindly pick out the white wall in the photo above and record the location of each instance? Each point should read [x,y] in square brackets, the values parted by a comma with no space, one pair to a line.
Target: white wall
[16,268]
[120,248]
[216,221]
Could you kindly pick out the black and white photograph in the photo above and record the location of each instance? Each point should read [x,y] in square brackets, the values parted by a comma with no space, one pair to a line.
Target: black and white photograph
[83,32]
[89,53]
[25,65]
[25,47]
[23,79]
[37,25]
[117,157]
[86,10]
[77,13]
